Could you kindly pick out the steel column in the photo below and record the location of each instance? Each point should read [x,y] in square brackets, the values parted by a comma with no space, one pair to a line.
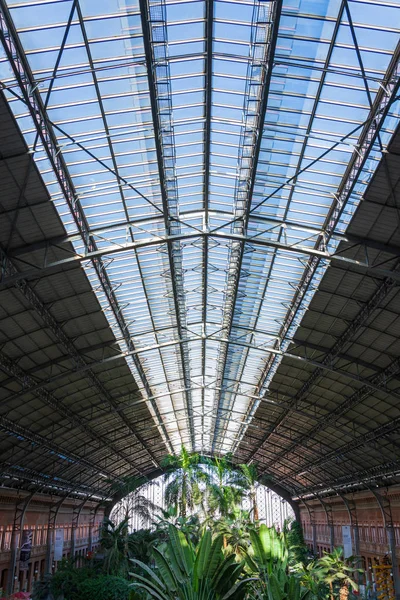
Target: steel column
[18,523]
[51,525]
[386,510]
[75,521]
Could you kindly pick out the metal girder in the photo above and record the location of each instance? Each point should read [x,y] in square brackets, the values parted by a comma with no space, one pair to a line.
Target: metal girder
[75,521]
[59,241]
[209,24]
[153,23]
[48,483]
[51,525]
[361,479]
[251,136]
[19,515]
[329,520]
[373,303]
[310,510]
[383,377]
[362,440]
[30,386]
[45,314]
[7,279]
[386,510]
[35,387]
[41,441]
[384,98]
[92,521]
[352,511]
[45,131]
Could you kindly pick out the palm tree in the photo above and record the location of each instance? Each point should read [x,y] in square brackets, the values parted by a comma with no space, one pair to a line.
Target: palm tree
[247,477]
[114,539]
[133,501]
[224,491]
[224,499]
[183,477]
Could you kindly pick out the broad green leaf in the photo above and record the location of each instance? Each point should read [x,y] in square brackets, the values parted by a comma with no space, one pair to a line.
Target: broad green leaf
[165,570]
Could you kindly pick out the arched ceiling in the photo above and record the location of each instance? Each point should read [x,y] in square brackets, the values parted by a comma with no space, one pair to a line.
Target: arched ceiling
[199,239]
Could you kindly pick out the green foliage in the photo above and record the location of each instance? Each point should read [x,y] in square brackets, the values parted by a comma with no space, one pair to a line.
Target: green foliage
[280,585]
[104,587]
[42,589]
[87,583]
[298,551]
[268,549]
[114,541]
[338,571]
[184,476]
[189,573]
[140,543]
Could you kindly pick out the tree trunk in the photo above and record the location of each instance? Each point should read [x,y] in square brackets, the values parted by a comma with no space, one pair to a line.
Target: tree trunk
[344,592]
[255,507]
[183,497]
[331,590]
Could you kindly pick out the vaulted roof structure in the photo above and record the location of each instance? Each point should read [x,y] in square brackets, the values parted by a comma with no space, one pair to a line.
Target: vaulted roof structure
[199,239]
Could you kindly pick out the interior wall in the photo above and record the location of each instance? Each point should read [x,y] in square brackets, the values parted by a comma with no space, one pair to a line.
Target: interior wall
[79,521]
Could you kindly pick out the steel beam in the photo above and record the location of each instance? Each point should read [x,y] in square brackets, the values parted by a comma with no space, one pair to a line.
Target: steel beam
[357,442]
[30,385]
[35,387]
[329,521]
[384,98]
[41,441]
[8,279]
[366,311]
[46,316]
[311,514]
[386,510]
[352,511]
[18,523]
[45,131]
[59,241]
[381,378]
[51,526]
[153,23]
[251,138]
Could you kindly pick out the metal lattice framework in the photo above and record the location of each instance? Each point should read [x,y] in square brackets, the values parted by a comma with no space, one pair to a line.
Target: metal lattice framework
[206,164]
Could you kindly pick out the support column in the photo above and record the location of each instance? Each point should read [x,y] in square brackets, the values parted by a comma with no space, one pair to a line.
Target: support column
[310,511]
[329,520]
[351,509]
[386,510]
[19,515]
[93,513]
[75,520]
[51,525]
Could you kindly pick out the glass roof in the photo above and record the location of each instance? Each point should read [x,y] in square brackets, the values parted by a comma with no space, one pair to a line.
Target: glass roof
[207,144]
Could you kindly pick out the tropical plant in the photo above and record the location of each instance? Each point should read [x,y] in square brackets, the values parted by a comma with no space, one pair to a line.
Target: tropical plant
[42,589]
[87,583]
[114,540]
[279,585]
[188,573]
[247,478]
[184,475]
[129,489]
[268,549]
[224,499]
[235,530]
[337,572]
[312,578]
[191,526]
[140,543]
[298,551]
